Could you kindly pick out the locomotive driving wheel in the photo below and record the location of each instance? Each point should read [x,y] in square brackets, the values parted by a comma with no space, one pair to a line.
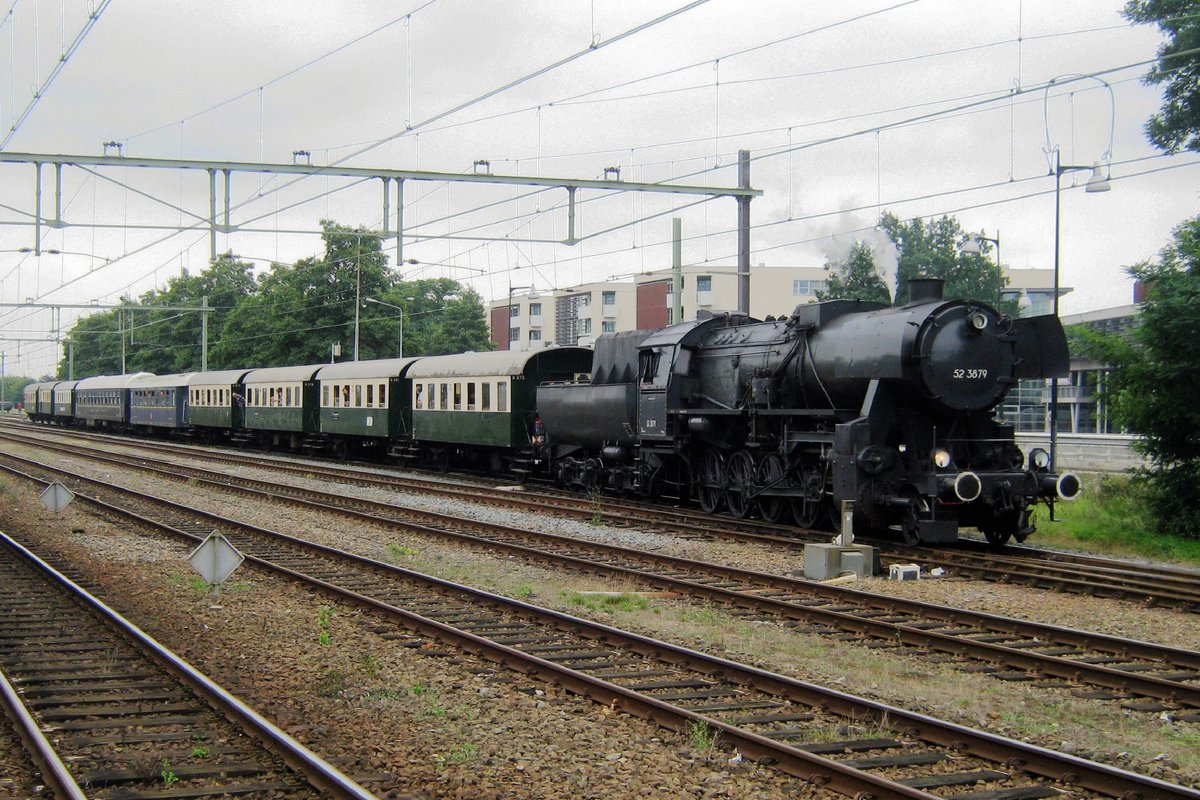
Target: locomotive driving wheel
[741,484]
[770,470]
[809,508]
[710,481]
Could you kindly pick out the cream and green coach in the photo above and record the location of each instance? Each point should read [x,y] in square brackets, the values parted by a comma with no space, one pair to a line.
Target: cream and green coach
[483,404]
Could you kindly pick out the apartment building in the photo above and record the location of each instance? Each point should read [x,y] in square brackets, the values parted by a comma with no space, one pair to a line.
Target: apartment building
[531,319]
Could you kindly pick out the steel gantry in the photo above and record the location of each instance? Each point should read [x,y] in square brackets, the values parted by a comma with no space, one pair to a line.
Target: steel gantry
[222,223]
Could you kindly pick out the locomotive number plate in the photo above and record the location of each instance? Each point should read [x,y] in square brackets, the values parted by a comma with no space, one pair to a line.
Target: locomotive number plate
[970,374]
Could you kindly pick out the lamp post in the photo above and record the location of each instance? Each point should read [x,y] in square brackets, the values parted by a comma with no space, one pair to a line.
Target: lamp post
[400,335]
[1097,182]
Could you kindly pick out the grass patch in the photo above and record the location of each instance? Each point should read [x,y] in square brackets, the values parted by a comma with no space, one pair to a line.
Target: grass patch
[1109,516]
[331,683]
[401,551]
[608,602]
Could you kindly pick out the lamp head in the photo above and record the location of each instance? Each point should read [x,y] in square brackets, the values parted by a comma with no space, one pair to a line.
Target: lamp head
[971,245]
[1098,180]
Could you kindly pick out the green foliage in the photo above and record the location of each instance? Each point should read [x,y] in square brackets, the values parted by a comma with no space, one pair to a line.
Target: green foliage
[331,683]
[702,735]
[608,602]
[160,341]
[1154,383]
[291,314]
[13,387]
[932,250]
[1176,126]
[1110,516]
[855,278]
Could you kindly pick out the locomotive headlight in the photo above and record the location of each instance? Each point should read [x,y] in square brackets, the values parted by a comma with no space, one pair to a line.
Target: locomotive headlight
[941,458]
[1039,458]
[977,320]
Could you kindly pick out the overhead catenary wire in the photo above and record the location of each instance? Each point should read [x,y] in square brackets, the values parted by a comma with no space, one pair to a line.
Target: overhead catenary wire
[43,86]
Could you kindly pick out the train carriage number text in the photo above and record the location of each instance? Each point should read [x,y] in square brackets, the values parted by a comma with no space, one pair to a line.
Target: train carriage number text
[970,373]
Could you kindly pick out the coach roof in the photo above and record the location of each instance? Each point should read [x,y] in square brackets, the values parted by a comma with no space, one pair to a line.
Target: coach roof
[375,368]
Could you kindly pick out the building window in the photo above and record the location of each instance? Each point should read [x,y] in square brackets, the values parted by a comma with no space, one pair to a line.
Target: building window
[608,298]
[803,288]
[608,326]
[535,336]
[514,334]
[535,309]
[704,283]
[514,311]
[586,326]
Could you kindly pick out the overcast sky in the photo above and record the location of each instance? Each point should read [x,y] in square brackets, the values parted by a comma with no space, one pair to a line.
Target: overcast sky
[921,108]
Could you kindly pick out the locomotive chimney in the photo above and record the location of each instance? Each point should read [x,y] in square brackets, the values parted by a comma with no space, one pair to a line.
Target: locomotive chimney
[925,290]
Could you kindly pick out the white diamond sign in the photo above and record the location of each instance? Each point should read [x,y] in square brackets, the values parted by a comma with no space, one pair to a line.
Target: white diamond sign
[56,497]
[215,559]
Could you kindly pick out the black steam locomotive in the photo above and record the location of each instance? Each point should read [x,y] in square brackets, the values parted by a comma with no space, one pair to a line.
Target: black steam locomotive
[888,407]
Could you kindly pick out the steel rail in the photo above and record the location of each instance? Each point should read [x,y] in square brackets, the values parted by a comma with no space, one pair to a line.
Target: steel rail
[1050,570]
[54,772]
[321,774]
[1051,665]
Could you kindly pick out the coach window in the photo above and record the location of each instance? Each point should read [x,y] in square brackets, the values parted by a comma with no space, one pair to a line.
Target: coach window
[358,395]
[458,397]
[417,393]
[346,396]
[325,395]
[370,395]
[444,403]
[485,400]
[432,398]
[471,396]
[502,396]
[383,395]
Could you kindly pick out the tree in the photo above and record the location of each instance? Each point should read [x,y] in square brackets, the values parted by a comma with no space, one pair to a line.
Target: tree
[440,317]
[932,250]
[1154,383]
[1177,124]
[855,277]
[300,309]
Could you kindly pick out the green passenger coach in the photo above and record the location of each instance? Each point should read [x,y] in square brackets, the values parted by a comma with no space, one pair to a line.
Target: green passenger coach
[364,404]
[215,403]
[280,406]
[484,402]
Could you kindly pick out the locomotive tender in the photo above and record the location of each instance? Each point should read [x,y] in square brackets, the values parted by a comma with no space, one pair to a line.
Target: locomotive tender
[888,407]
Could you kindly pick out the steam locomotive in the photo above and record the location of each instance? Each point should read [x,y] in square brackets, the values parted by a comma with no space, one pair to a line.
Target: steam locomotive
[887,407]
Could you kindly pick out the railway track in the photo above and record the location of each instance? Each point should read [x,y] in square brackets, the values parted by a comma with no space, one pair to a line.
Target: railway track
[857,747]
[132,720]
[1045,569]
[1142,676]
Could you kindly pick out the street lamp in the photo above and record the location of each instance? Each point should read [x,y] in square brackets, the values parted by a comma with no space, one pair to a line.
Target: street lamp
[400,335]
[1098,181]
[974,245]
